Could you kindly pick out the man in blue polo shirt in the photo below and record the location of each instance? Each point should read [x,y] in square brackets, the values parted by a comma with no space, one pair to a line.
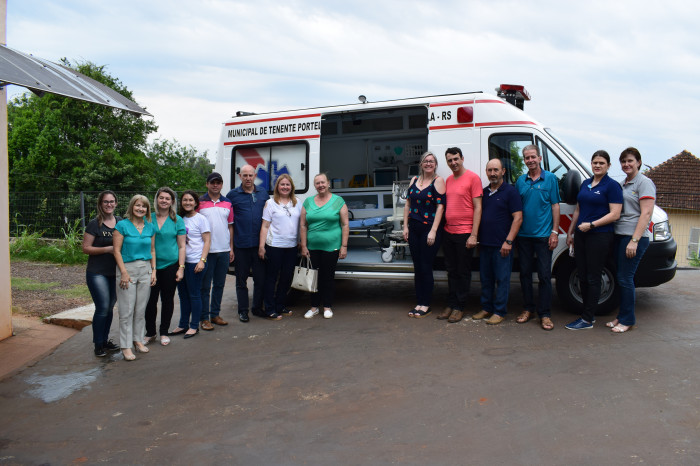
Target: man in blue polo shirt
[539,235]
[248,201]
[501,216]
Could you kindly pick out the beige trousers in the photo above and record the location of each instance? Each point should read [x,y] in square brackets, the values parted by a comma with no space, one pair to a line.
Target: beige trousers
[131,303]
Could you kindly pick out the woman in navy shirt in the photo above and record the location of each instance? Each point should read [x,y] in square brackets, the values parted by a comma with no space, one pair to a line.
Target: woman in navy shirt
[421,228]
[599,205]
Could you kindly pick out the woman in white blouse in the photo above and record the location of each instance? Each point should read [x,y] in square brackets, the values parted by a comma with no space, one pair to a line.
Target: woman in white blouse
[278,245]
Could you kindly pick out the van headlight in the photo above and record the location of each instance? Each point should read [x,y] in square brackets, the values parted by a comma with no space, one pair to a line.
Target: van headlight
[662,231]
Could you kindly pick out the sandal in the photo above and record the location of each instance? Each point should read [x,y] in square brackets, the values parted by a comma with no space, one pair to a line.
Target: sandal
[420,314]
[413,312]
[612,324]
[524,317]
[621,328]
[546,323]
[164,340]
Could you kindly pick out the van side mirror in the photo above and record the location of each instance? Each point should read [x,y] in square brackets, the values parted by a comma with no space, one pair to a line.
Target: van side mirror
[571,183]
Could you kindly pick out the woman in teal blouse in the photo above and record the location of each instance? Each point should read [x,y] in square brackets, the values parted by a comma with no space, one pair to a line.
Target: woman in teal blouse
[135,254]
[324,234]
[170,264]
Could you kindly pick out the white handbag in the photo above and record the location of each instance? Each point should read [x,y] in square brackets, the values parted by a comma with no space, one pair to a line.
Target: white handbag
[305,278]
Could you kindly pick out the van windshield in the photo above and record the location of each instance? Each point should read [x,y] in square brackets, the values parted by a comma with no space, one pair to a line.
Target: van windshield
[571,152]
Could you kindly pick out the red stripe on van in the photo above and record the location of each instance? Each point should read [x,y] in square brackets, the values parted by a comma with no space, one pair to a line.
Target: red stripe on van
[504,123]
[257,141]
[491,123]
[311,115]
[465,125]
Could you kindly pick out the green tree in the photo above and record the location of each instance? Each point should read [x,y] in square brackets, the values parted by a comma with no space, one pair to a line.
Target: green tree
[177,166]
[60,144]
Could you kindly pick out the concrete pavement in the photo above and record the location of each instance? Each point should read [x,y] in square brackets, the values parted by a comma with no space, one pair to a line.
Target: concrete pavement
[372,386]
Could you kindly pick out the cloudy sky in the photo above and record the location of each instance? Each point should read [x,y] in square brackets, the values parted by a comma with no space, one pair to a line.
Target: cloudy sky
[602,74]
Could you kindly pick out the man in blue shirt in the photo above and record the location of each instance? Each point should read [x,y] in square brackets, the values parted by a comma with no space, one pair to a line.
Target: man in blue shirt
[248,203]
[539,235]
[501,216]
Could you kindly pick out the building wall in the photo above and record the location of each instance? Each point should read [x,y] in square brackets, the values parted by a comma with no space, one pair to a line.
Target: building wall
[681,223]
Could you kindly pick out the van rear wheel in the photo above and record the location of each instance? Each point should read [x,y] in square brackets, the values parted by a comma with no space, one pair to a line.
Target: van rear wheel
[569,290]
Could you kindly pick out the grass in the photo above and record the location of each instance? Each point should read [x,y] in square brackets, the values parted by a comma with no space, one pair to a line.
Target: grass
[29,284]
[75,291]
[32,246]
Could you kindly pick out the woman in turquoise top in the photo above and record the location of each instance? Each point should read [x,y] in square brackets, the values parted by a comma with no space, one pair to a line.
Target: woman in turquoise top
[170,264]
[135,254]
[324,234]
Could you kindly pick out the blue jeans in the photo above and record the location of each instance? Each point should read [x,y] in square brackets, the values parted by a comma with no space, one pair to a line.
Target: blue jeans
[528,248]
[423,257]
[214,280]
[279,271]
[103,290]
[495,279]
[458,262]
[246,259]
[189,291]
[626,269]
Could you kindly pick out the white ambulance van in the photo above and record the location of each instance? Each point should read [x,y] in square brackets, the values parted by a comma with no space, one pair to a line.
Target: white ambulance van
[370,150]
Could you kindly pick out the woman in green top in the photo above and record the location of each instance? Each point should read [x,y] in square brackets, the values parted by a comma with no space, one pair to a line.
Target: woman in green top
[324,239]
[170,264]
[135,254]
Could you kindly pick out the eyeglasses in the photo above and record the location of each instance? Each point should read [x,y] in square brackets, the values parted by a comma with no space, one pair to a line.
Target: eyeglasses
[109,202]
[286,210]
[428,162]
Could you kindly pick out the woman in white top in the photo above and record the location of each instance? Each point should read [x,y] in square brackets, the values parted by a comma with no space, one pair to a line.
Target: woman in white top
[197,244]
[278,245]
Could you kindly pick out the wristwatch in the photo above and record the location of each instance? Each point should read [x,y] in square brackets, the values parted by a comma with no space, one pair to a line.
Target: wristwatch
[635,240]
[510,243]
[592,225]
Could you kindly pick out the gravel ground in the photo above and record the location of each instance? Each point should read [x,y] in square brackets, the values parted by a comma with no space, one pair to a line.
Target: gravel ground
[39,303]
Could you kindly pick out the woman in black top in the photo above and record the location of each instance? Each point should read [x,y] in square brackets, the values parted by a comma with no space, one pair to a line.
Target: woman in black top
[101,270]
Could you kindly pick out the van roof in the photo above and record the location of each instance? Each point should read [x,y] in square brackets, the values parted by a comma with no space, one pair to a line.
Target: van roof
[376,105]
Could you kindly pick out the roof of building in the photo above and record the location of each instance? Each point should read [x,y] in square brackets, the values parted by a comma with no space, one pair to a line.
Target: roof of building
[677,182]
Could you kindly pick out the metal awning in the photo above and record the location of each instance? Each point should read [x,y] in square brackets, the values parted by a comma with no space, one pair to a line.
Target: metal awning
[41,76]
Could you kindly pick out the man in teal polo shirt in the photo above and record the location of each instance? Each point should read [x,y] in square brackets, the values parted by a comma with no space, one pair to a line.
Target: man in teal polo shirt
[538,236]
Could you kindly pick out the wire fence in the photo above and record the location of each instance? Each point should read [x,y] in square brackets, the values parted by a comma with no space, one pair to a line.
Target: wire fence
[54,213]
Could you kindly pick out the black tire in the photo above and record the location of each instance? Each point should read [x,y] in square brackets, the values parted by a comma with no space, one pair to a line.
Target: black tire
[569,292]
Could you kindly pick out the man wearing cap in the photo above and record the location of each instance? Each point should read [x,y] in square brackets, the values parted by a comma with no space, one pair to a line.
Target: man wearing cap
[219,212]
[248,202]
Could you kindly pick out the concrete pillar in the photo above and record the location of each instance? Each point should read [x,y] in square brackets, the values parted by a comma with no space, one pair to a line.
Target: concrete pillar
[5,288]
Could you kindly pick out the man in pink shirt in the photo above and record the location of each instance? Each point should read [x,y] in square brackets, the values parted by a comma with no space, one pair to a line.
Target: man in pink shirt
[462,217]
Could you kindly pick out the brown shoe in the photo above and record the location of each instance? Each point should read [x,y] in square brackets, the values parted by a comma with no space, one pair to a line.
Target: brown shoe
[495,319]
[456,316]
[218,321]
[445,314]
[206,325]
[481,315]
[524,317]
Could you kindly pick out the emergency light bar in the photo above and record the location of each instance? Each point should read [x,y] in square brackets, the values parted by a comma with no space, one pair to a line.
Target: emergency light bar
[514,94]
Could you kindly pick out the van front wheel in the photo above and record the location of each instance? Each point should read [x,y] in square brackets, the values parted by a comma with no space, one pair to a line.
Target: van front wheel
[569,290]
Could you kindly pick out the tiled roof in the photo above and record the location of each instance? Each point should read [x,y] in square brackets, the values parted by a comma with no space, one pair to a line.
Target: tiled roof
[677,182]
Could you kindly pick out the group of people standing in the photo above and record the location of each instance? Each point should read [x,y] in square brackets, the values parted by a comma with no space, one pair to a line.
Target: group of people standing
[500,216]
[147,255]
[151,254]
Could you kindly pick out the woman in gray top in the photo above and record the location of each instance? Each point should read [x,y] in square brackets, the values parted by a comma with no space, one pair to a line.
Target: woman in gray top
[631,233]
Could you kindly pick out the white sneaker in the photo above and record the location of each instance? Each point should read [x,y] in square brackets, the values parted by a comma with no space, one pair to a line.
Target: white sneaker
[327,313]
[310,313]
